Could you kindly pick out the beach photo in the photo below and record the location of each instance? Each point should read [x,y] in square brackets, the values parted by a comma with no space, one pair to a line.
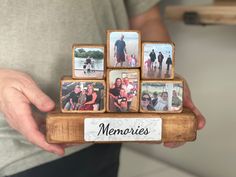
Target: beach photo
[82,96]
[123,90]
[161,96]
[158,60]
[123,49]
[88,61]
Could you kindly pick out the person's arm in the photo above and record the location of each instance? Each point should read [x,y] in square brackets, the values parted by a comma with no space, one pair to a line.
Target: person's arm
[153,29]
[17,92]
[94,95]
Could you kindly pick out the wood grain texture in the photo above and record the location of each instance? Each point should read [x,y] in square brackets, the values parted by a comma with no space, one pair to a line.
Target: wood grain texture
[69,128]
[222,12]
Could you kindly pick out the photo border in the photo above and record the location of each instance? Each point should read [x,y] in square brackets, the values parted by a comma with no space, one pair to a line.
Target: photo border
[102,46]
[69,79]
[173,60]
[176,80]
[108,49]
[108,88]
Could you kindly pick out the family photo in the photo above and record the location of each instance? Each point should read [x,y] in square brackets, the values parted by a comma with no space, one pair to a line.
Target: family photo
[82,96]
[161,96]
[88,61]
[123,49]
[123,90]
[158,61]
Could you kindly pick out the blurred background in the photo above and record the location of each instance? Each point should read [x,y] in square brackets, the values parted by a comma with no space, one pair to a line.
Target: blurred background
[206,57]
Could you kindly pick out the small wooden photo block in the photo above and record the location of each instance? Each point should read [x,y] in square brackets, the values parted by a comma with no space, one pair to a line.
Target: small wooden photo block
[158,60]
[161,96]
[82,96]
[123,90]
[88,61]
[123,49]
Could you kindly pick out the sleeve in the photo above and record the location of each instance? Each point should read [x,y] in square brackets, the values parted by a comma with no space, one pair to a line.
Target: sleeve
[136,7]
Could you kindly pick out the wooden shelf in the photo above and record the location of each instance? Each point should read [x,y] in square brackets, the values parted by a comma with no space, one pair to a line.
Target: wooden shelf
[69,128]
[219,13]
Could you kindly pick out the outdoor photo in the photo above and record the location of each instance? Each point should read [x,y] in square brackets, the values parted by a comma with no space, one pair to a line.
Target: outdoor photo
[82,96]
[88,61]
[158,61]
[123,49]
[123,90]
[161,96]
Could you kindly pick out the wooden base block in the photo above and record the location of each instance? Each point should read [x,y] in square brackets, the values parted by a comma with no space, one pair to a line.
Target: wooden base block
[69,128]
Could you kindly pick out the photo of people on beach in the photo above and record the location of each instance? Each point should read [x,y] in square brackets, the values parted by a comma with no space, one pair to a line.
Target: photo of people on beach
[161,96]
[82,96]
[123,49]
[123,90]
[88,61]
[158,61]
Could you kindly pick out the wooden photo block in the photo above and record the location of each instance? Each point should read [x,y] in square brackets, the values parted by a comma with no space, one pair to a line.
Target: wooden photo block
[123,87]
[161,96]
[127,127]
[158,60]
[82,96]
[123,49]
[88,61]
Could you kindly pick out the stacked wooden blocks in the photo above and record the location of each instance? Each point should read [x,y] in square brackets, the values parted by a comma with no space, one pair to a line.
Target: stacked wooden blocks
[124,91]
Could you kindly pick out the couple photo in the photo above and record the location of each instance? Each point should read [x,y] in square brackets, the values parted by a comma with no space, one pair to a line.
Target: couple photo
[82,96]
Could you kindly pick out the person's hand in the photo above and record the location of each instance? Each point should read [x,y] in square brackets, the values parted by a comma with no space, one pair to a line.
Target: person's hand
[188,103]
[17,92]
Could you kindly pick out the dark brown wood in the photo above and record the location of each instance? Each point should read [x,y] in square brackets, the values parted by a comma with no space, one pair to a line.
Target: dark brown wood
[69,128]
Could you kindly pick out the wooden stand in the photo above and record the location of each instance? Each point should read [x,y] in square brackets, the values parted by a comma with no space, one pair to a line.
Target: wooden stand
[220,12]
[69,128]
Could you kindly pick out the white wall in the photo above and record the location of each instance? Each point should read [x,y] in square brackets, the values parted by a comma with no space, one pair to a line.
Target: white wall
[206,57]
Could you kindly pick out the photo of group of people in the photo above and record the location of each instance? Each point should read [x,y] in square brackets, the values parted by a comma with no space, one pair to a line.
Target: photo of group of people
[123,49]
[123,90]
[84,96]
[161,96]
[88,61]
[158,61]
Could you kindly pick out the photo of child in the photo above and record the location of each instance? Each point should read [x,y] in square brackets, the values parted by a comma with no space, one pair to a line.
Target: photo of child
[157,61]
[123,49]
[88,61]
[123,90]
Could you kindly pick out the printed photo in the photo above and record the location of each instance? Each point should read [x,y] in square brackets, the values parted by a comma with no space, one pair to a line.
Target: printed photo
[82,96]
[123,49]
[158,61]
[88,61]
[123,90]
[161,96]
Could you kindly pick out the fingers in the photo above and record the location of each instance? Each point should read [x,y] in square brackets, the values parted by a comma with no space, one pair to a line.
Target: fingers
[38,98]
[173,144]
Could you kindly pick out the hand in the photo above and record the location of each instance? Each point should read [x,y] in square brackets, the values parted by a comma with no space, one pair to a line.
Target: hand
[17,92]
[188,103]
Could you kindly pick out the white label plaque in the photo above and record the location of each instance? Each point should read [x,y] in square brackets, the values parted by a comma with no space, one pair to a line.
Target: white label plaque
[122,129]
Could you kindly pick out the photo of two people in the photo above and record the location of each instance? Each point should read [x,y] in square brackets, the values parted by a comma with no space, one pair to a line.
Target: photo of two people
[123,49]
[161,97]
[123,91]
[82,96]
